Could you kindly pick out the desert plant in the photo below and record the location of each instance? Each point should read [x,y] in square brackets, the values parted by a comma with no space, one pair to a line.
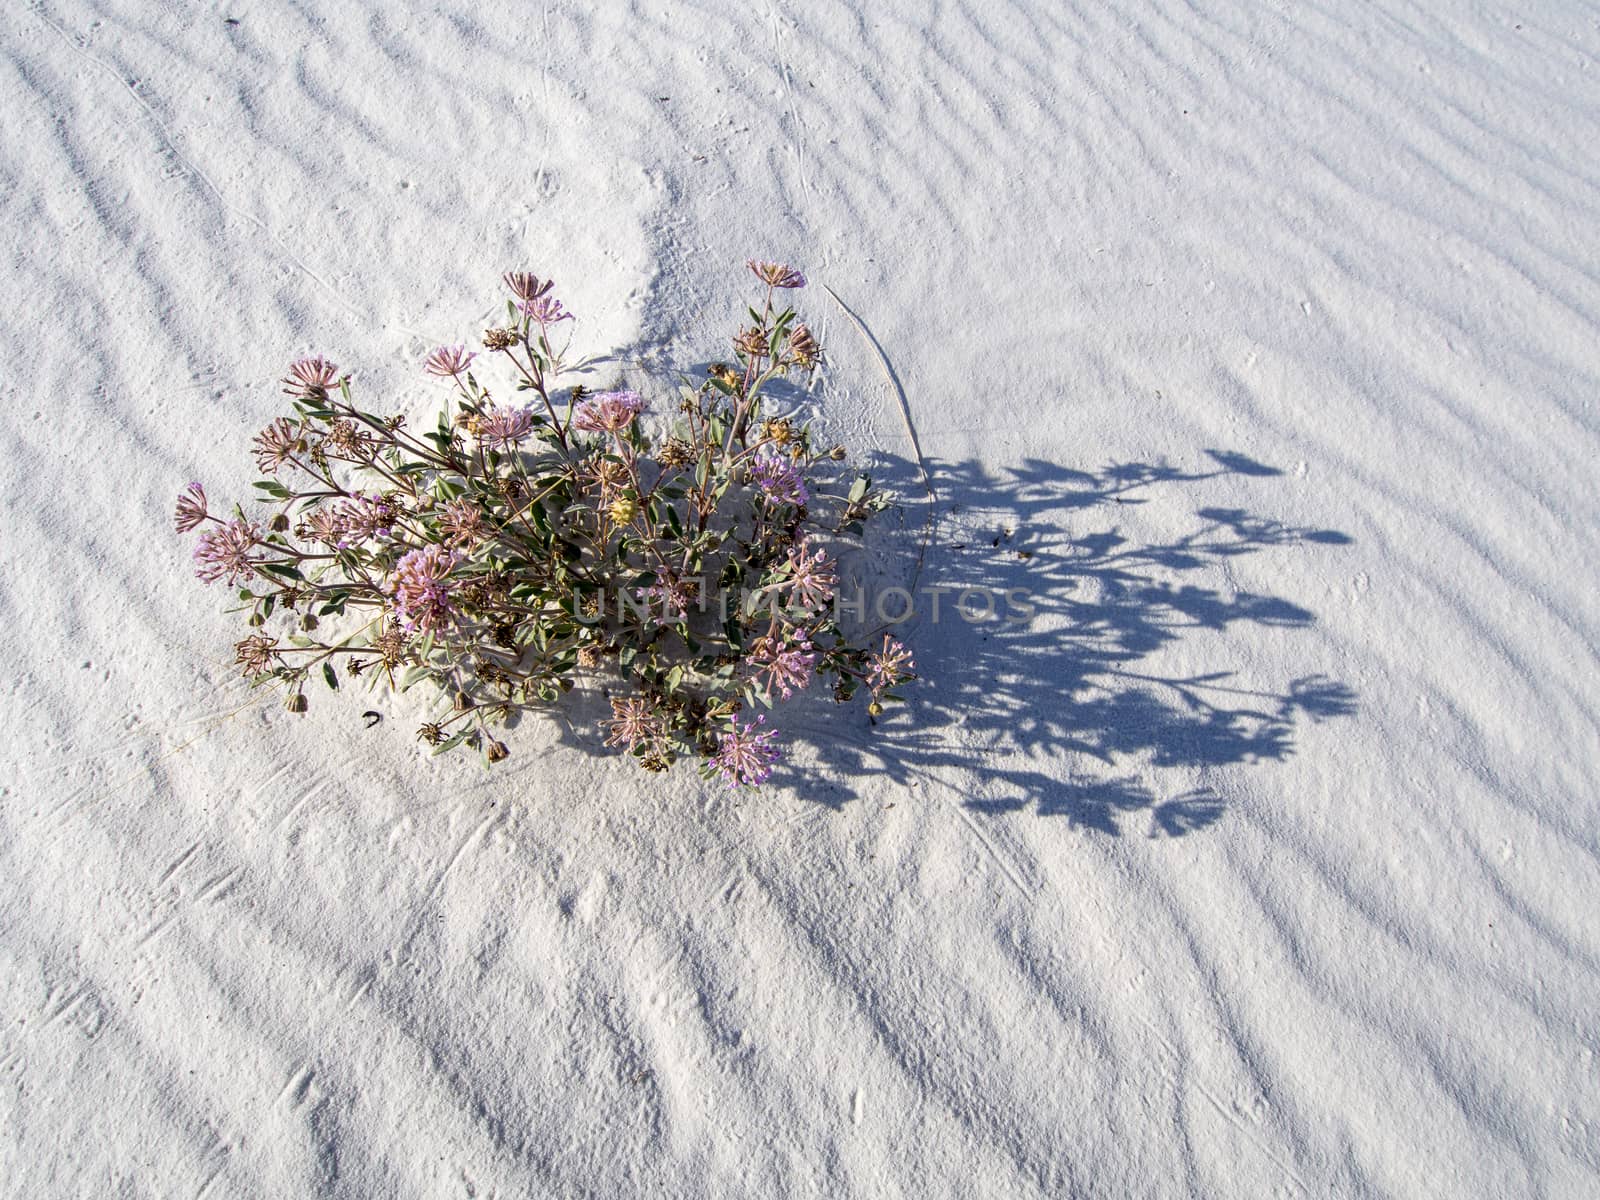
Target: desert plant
[680,554]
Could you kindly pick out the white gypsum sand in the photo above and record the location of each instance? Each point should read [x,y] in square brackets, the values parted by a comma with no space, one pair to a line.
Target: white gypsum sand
[1256,344]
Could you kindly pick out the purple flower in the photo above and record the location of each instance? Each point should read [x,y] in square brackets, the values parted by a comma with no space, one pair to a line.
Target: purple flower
[191,509]
[503,428]
[309,378]
[811,577]
[783,663]
[224,553]
[449,361]
[779,479]
[607,412]
[364,518]
[779,275]
[421,587]
[546,310]
[745,756]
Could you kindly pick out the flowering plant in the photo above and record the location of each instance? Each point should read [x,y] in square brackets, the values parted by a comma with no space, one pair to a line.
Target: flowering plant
[682,560]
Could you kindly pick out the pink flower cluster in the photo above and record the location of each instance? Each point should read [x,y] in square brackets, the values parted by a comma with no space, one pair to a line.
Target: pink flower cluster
[310,378]
[224,553]
[449,362]
[745,753]
[191,510]
[811,577]
[784,661]
[364,519]
[775,274]
[503,428]
[534,298]
[607,412]
[421,586]
[634,723]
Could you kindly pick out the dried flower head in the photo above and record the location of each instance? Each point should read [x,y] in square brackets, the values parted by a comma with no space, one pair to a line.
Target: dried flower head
[607,474]
[675,454]
[804,347]
[449,362]
[500,339]
[751,342]
[191,510]
[277,444]
[310,378]
[778,275]
[255,654]
[391,646]
[607,412]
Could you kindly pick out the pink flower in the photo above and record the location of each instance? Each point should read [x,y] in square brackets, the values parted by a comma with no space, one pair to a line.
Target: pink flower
[310,378]
[421,587]
[449,361]
[745,756]
[322,525]
[191,509]
[503,428]
[778,478]
[811,577]
[675,596]
[461,522]
[607,412]
[364,518]
[526,286]
[633,723]
[546,310]
[779,275]
[888,666]
[783,663]
[224,553]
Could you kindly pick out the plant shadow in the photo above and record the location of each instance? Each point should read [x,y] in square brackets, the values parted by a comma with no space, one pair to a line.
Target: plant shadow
[1065,710]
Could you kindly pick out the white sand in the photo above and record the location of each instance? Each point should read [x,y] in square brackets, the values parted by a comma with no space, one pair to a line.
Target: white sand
[1321,921]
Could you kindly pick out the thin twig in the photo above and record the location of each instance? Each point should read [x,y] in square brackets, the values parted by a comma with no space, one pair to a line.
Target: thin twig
[911,431]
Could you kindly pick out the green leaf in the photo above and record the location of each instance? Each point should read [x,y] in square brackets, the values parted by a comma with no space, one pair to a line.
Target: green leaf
[329,675]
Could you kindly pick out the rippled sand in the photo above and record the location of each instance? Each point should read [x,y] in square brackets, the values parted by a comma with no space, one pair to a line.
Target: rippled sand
[1257,344]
